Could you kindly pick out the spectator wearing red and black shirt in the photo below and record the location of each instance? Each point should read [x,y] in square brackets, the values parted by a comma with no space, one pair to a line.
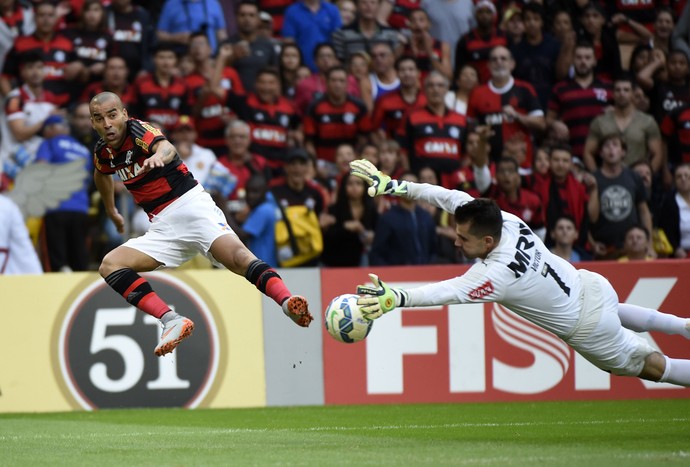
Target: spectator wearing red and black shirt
[430,53]
[239,160]
[509,106]
[273,119]
[675,128]
[91,38]
[396,13]
[335,119]
[575,102]
[475,46]
[153,190]
[18,19]
[390,110]
[114,80]
[433,134]
[276,8]
[60,62]
[133,35]
[161,96]
[208,98]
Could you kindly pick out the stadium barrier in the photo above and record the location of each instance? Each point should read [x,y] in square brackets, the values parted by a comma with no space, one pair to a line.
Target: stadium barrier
[74,344]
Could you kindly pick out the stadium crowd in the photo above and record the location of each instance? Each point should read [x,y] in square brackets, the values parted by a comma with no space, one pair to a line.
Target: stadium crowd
[572,114]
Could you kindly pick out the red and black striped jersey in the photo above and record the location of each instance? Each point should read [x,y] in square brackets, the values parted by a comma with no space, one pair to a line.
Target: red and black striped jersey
[473,49]
[527,207]
[577,107]
[675,127]
[152,190]
[329,125]
[390,110]
[641,11]
[90,47]
[162,104]
[463,179]
[270,124]
[276,8]
[401,12]
[243,170]
[57,53]
[16,19]
[209,118]
[433,140]
[486,106]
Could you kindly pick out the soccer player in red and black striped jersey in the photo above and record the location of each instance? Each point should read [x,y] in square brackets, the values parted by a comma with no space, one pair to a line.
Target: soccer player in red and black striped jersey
[474,47]
[675,128]
[160,96]
[273,119]
[509,106]
[390,110]
[577,100]
[335,119]
[184,220]
[60,61]
[433,134]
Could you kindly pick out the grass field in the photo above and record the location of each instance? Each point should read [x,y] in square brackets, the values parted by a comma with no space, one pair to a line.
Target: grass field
[631,433]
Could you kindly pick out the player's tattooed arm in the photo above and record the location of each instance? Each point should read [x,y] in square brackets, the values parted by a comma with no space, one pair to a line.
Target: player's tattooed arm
[163,153]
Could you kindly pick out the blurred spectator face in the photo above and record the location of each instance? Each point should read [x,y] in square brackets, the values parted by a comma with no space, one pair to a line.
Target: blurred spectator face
[184,133]
[81,120]
[612,151]
[682,179]
[640,99]
[92,15]
[367,9]
[408,73]
[370,153]
[419,22]
[248,19]
[472,143]
[255,191]
[635,243]
[296,172]
[561,163]
[622,93]
[533,24]
[354,188]
[32,73]
[564,232]
[289,58]
[237,141]
[343,156]
[645,173]
[507,177]
[325,59]
[388,160]
[641,59]
[562,24]
[336,85]
[501,63]
[427,175]
[484,17]
[383,58]
[348,11]
[186,65]
[678,67]
[435,89]
[593,21]
[46,19]
[165,62]
[584,61]
[115,72]
[199,48]
[303,72]
[359,66]
[542,162]
[514,27]
[467,79]
[267,87]
[663,26]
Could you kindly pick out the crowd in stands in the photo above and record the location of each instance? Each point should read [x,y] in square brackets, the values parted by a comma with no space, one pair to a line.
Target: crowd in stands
[572,114]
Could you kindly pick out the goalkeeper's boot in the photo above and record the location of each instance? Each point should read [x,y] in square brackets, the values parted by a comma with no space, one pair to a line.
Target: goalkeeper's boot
[174,331]
[297,309]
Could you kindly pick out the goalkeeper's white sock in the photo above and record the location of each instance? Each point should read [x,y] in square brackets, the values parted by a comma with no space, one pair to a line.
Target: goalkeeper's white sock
[677,372]
[642,319]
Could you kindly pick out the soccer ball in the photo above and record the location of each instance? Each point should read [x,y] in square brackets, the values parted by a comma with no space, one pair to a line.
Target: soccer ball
[344,320]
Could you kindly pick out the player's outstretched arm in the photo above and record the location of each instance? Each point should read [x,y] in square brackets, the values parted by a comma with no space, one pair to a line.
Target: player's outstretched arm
[379,299]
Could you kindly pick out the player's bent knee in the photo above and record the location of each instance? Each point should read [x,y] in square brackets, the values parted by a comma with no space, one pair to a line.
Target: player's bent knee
[654,367]
[232,253]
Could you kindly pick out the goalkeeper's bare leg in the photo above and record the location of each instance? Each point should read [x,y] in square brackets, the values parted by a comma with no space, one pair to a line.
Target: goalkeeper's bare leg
[231,252]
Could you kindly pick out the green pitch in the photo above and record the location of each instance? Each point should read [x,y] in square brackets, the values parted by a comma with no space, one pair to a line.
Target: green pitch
[631,433]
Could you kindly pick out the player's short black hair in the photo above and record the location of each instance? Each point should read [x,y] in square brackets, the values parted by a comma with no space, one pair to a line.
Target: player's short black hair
[484,215]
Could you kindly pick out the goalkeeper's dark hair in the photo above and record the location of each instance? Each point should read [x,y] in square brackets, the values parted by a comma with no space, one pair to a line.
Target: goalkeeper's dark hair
[484,215]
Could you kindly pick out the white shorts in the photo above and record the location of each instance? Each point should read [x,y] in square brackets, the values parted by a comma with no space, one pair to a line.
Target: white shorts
[604,341]
[183,229]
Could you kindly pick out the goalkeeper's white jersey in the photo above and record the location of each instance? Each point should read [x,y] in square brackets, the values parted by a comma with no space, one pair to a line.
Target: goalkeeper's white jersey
[520,273]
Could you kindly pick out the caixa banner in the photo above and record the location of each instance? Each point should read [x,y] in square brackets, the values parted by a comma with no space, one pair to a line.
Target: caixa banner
[484,352]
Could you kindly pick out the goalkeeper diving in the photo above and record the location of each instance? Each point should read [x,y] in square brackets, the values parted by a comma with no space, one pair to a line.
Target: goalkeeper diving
[516,270]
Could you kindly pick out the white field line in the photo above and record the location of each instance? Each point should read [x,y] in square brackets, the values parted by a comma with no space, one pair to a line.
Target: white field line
[225,431]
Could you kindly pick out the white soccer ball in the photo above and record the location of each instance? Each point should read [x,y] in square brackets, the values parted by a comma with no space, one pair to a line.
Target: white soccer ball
[344,320]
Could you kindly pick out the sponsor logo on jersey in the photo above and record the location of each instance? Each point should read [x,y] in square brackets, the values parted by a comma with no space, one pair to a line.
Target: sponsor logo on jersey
[482,291]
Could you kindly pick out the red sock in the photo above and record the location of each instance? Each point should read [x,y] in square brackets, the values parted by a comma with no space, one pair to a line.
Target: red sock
[277,290]
[137,291]
[267,280]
